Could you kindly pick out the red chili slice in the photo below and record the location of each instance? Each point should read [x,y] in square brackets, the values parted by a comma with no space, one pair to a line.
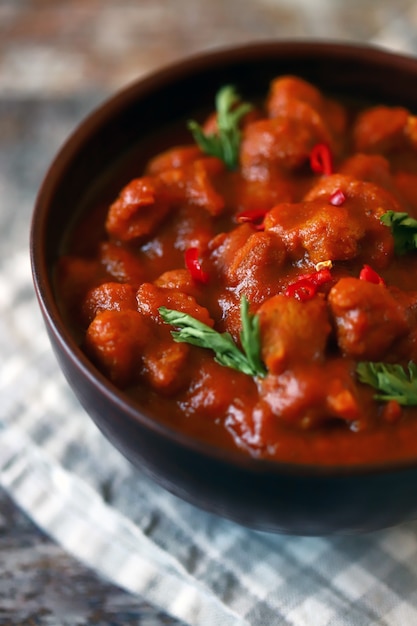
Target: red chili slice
[371,276]
[301,290]
[253,216]
[318,278]
[321,161]
[306,286]
[337,198]
[193,265]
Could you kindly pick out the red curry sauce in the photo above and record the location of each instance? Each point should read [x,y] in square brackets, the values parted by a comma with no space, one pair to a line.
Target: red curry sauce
[296,229]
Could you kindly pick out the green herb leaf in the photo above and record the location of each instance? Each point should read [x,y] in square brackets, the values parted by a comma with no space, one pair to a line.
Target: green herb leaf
[391,380]
[226,351]
[226,142]
[250,338]
[404,230]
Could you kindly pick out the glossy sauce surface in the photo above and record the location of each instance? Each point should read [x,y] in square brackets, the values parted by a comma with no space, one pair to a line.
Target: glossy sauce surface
[266,230]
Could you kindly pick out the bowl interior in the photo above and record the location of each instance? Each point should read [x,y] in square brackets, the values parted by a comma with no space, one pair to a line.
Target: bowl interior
[111,146]
[96,160]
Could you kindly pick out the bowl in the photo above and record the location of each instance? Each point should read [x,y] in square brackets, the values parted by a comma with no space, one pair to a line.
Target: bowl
[265,495]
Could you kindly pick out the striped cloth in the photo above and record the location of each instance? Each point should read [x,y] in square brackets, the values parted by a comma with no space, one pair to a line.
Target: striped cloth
[201,569]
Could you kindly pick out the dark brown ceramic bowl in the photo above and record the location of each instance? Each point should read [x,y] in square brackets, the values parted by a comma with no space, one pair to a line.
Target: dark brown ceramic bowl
[265,495]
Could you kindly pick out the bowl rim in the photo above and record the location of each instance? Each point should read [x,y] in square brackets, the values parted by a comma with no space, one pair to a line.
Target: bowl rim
[55,173]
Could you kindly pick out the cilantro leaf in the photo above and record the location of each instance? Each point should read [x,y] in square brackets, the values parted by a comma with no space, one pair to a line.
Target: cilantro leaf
[225,143]
[392,381]
[404,230]
[226,352]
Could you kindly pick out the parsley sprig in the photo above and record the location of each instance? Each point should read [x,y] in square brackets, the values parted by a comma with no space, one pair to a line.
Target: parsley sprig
[392,381]
[225,143]
[404,230]
[227,353]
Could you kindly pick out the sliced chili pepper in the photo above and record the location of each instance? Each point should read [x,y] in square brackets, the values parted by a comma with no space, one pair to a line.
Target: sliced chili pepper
[305,287]
[301,290]
[371,276]
[337,198]
[253,216]
[321,161]
[318,278]
[193,265]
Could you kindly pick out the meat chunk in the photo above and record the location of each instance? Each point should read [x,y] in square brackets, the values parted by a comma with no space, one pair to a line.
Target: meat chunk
[180,280]
[224,247]
[137,211]
[164,362]
[262,195]
[307,396]
[128,348]
[372,168]
[253,266]
[114,341]
[121,265]
[381,129]
[191,228]
[356,223]
[277,145]
[262,251]
[304,100]
[195,184]
[371,199]
[292,332]
[300,388]
[187,175]
[163,359]
[368,319]
[285,90]
[316,229]
[298,118]
[150,298]
[109,297]
[214,389]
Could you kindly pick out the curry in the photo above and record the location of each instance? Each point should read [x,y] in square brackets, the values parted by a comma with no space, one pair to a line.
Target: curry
[255,287]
